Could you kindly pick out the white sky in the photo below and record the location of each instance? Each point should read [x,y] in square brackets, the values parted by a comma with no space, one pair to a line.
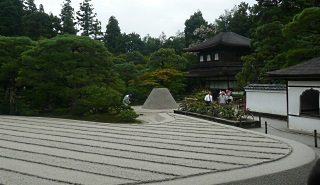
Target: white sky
[149,16]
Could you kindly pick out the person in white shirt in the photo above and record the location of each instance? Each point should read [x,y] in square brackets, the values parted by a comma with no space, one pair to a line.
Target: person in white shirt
[208,98]
[230,98]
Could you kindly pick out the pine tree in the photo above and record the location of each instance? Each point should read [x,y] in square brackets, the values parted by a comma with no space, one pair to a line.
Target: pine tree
[86,19]
[67,18]
[38,25]
[68,26]
[97,34]
[11,13]
[113,38]
[56,25]
[41,9]
[30,7]
[195,21]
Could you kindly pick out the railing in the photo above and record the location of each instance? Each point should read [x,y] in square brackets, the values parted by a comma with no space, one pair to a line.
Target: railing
[217,64]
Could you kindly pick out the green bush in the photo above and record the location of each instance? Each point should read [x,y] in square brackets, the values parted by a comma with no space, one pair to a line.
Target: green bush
[127,116]
[121,107]
[61,111]
[230,111]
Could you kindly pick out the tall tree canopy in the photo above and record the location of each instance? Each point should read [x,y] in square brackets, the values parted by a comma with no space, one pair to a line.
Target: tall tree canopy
[11,13]
[70,72]
[191,24]
[39,24]
[86,19]
[30,6]
[67,18]
[166,58]
[132,42]
[11,49]
[279,45]
[304,34]
[113,38]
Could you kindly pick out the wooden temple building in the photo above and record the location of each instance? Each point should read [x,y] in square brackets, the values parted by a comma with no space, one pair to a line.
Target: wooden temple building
[219,59]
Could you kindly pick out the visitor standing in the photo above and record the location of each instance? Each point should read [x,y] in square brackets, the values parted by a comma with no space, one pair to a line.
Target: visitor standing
[222,99]
[208,98]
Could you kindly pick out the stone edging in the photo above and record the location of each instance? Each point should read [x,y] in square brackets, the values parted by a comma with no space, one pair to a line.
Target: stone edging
[242,124]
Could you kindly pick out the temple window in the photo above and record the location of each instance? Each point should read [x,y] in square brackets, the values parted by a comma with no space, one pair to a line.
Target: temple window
[208,57]
[216,56]
[201,58]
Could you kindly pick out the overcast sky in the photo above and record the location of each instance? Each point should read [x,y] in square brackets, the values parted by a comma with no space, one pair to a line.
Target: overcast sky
[149,16]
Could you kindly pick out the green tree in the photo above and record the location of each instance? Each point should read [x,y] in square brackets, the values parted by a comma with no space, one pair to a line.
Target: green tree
[127,71]
[268,43]
[70,72]
[241,21]
[136,57]
[132,42]
[113,38]
[56,25]
[67,10]
[67,18]
[41,8]
[30,6]
[251,71]
[238,20]
[37,25]
[11,49]
[11,13]
[169,78]
[191,24]
[268,39]
[176,42]
[222,23]
[86,19]
[150,45]
[279,45]
[204,32]
[166,58]
[304,34]
[267,11]
[97,33]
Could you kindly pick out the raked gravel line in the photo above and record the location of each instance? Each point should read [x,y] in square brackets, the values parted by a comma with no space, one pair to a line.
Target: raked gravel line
[36,150]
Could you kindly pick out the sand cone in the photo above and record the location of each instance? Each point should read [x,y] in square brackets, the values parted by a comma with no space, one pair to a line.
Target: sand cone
[160,98]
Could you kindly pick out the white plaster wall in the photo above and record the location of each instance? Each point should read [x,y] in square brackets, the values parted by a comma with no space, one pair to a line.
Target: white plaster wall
[304,83]
[295,92]
[304,123]
[271,102]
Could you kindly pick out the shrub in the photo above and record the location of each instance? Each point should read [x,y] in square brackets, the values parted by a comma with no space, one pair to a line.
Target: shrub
[121,107]
[244,114]
[227,111]
[127,116]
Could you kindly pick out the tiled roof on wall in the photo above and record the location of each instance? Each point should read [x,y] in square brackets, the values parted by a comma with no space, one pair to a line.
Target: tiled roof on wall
[305,70]
[273,87]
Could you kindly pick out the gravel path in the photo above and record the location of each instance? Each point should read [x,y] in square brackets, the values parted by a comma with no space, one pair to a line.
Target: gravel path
[57,151]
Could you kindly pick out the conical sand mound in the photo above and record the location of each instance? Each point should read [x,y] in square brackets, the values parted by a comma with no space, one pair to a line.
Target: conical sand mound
[160,98]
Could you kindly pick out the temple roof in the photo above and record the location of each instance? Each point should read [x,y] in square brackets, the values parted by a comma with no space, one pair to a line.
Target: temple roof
[305,70]
[225,38]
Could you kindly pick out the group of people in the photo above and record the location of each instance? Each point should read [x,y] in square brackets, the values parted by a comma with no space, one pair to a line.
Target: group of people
[224,97]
